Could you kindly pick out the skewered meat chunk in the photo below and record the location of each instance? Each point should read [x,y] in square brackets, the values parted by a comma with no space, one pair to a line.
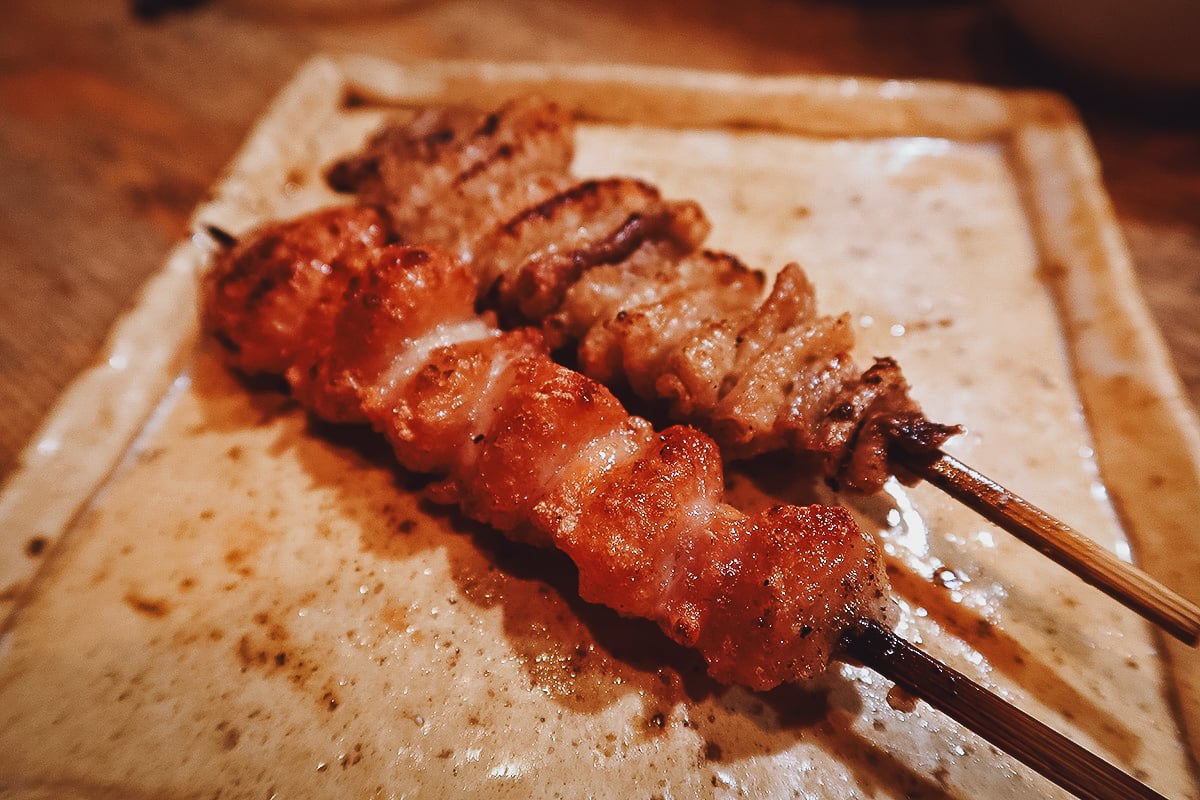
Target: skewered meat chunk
[609,267]
[274,305]
[454,172]
[544,454]
[533,258]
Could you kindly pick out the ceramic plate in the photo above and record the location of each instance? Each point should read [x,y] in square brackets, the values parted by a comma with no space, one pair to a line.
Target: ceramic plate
[206,594]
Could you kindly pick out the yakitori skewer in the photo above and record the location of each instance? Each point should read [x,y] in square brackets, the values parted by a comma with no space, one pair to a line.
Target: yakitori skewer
[373,332]
[614,271]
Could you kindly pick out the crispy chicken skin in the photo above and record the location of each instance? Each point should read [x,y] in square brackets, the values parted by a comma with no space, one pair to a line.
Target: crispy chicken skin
[273,304]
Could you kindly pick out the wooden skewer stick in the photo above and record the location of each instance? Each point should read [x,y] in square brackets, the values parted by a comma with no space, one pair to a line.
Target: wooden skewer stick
[1094,564]
[1051,754]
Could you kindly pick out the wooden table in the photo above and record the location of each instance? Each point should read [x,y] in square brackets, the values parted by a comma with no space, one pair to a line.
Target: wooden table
[112,127]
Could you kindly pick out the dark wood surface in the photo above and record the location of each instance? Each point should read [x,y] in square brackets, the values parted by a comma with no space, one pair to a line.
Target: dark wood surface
[114,122]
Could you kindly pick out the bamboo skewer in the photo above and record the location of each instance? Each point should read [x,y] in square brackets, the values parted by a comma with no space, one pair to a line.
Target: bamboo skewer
[1051,754]
[1096,565]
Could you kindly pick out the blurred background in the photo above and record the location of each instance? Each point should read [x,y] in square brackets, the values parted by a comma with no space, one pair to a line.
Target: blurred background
[115,117]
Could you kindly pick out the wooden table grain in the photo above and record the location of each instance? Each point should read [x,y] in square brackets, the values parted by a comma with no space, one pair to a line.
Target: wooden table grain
[112,125]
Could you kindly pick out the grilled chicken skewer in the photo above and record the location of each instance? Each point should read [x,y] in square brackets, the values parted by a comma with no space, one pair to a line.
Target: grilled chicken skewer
[386,334]
[614,271]
[364,330]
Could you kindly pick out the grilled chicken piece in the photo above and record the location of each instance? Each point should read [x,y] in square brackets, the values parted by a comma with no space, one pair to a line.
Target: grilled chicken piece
[532,259]
[452,173]
[286,280]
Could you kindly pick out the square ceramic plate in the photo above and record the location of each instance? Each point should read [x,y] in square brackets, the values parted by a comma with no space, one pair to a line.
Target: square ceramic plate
[205,594]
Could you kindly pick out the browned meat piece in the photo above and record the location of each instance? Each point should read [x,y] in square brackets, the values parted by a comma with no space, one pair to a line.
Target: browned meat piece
[453,173]
[707,286]
[549,456]
[443,400]
[764,597]
[532,259]
[357,360]
[272,304]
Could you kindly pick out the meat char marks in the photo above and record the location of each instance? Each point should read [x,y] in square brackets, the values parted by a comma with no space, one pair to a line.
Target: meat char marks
[612,269]
[452,172]
[364,329]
